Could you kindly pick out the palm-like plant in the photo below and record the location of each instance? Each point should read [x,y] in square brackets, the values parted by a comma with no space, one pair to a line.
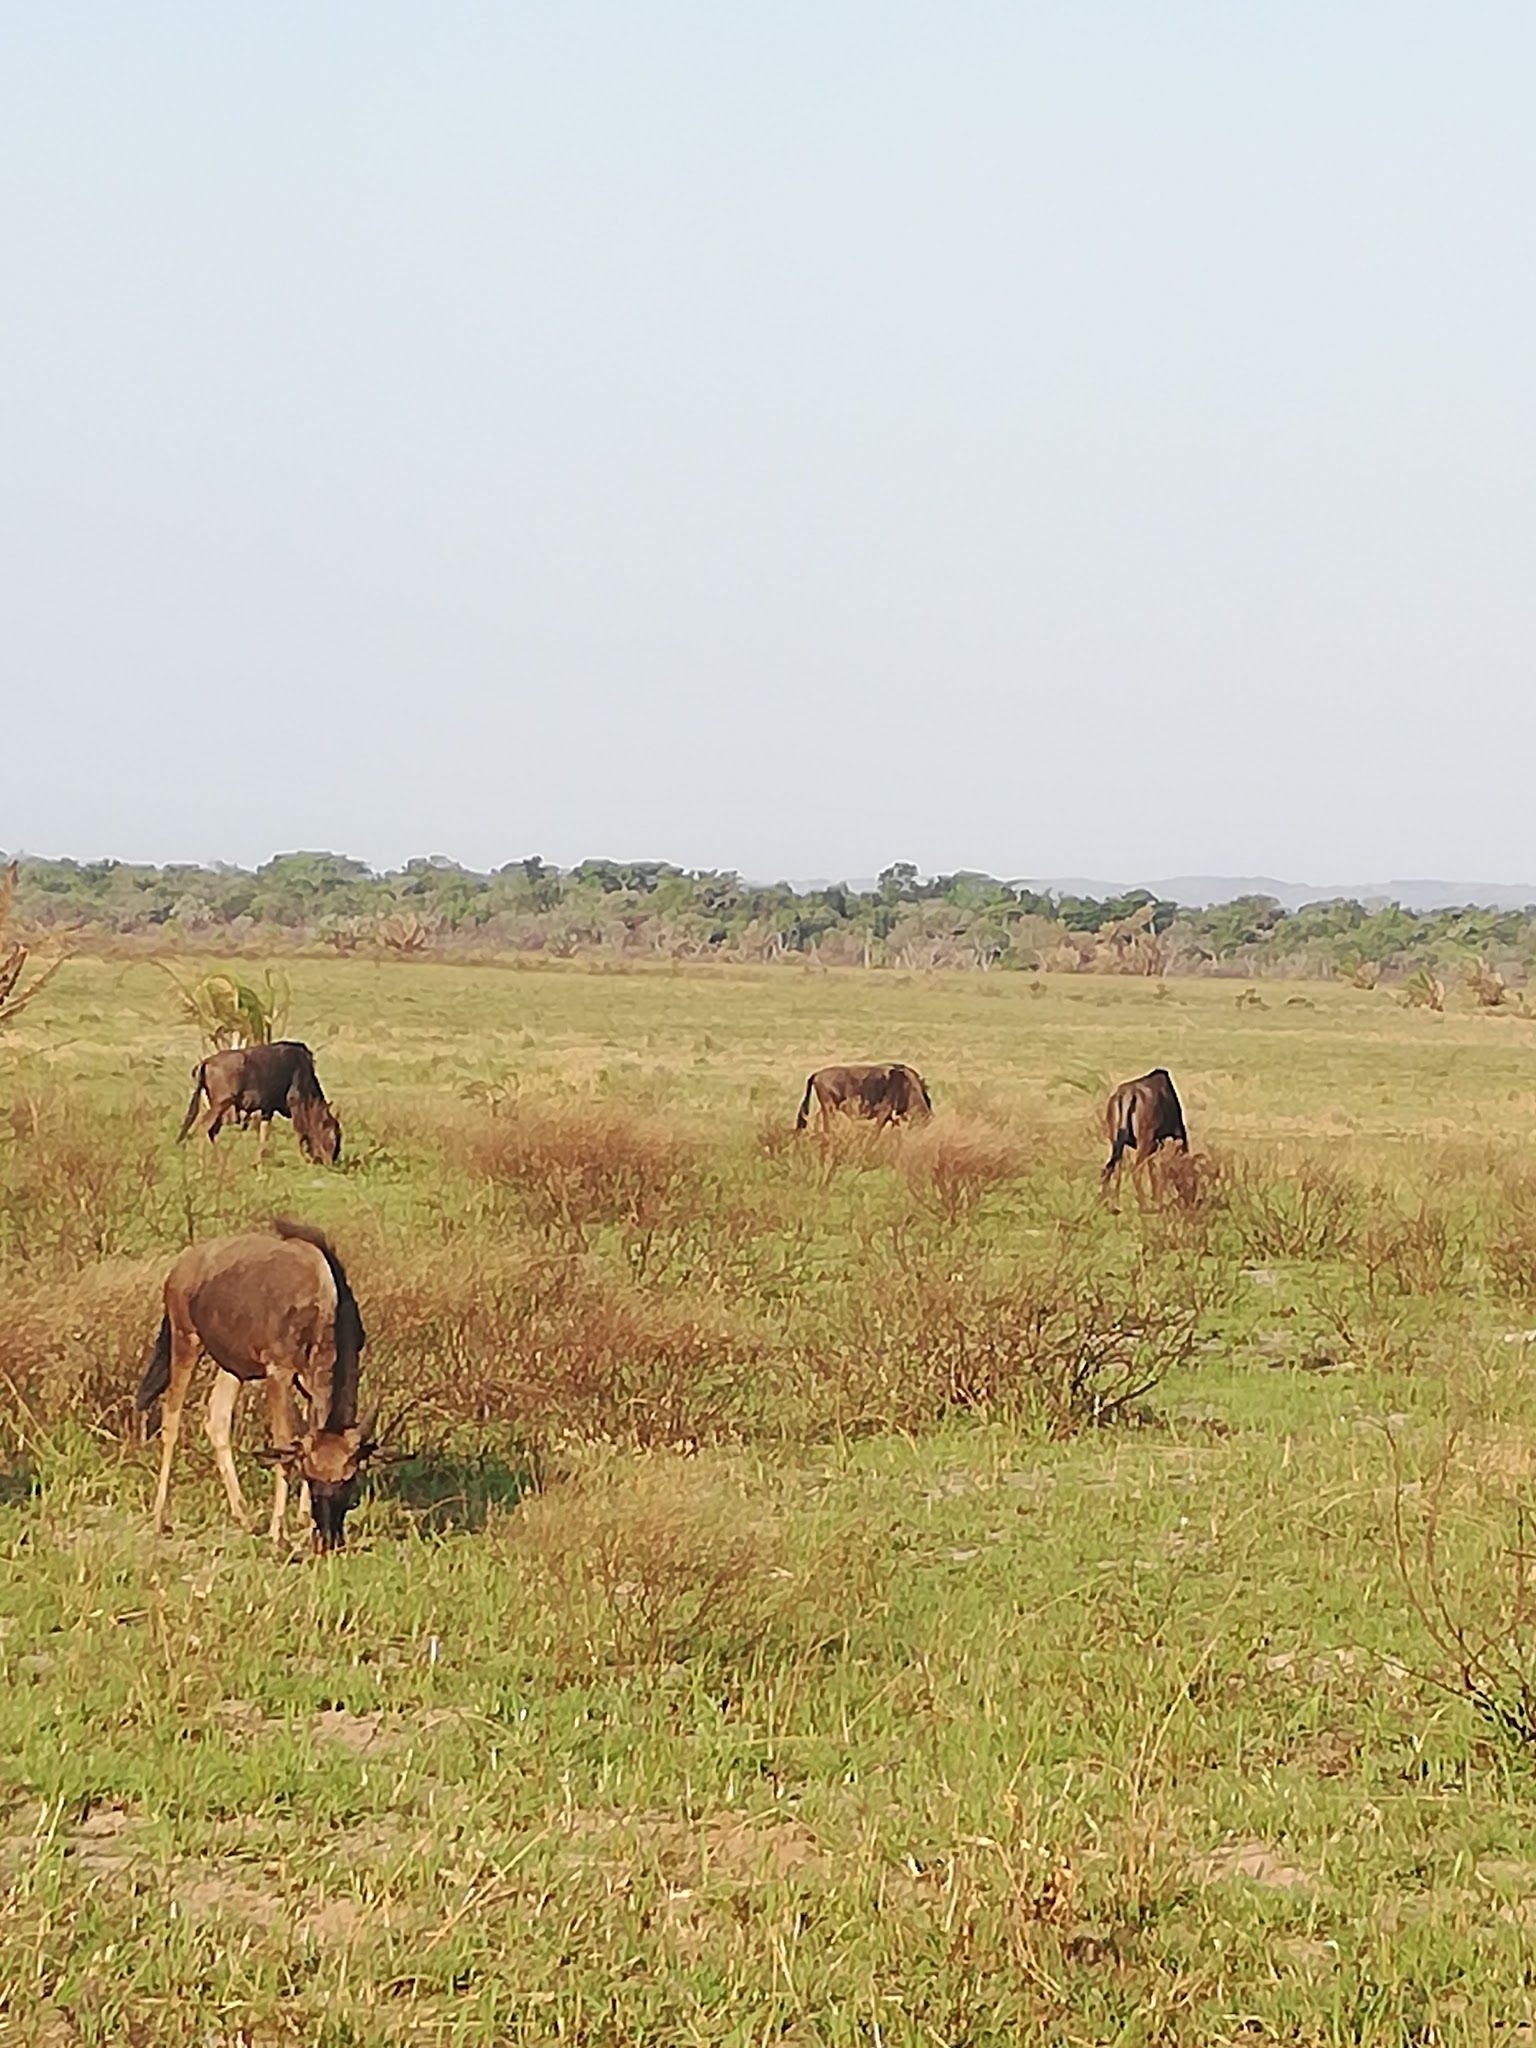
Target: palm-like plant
[16,991]
[230,1012]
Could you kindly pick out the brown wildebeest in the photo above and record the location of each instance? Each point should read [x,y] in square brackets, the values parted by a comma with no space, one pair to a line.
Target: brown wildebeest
[1141,1115]
[272,1306]
[884,1095]
[266,1081]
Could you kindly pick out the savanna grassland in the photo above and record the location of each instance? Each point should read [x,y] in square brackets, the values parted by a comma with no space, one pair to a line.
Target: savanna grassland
[874,1591]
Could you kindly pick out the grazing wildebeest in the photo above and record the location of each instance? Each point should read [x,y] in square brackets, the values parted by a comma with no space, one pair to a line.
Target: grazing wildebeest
[1141,1115]
[272,1306]
[266,1081]
[883,1094]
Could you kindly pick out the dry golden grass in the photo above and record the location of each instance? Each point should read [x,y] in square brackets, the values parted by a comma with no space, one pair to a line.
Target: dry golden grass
[644,1562]
[579,1164]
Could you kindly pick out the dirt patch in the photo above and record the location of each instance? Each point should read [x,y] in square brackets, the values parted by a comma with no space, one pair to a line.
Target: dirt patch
[371,1735]
[236,1714]
[108,1838]
[1255,1862]
[335,1922]
[205,1892]
[732,1848]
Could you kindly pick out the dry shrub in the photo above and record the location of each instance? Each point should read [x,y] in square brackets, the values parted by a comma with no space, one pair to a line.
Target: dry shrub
[847,1141]
[75,1186]
[1063,1347]
[950,1165]
[648,1562]
[775,1134]
[1512,1259]
[1511,1244]
[1182,1199]
[1484,983]
[1467,1575]
[576,1165]
[1309,1211]
[1422,1253]
[1189,1180]
[76,1350]
[553,1348]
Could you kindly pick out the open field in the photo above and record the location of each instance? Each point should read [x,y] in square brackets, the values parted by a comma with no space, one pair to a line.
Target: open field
[866,1593]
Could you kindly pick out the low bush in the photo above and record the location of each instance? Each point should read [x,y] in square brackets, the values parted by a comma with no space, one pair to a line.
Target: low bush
[647,1562]
[951,1165]
[1064,1347]
[552,1348]
[1307,1211]
[572,1166]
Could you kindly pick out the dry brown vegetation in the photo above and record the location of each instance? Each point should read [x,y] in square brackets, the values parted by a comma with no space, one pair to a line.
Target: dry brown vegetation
[642,1563]
[575,1165]
[16,991]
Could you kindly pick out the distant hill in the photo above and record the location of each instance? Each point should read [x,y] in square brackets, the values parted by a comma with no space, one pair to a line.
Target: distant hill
[1200,892]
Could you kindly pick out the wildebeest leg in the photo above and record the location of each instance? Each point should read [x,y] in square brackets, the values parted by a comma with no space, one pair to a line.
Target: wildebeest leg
[216,1122]
[261,1141]
[184,1354]
[221,1416]
[282,1429]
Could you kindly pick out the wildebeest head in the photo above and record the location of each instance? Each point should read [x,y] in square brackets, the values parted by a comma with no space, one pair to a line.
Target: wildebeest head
[331,1463]
[319,1132]
[914,1100]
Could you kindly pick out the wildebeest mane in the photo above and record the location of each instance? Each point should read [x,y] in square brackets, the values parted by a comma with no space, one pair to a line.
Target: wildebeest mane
[350,1336]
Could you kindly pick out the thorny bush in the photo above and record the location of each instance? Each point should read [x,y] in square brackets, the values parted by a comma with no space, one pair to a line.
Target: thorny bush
[572,1166]
[1308,1211]
[1064,1347]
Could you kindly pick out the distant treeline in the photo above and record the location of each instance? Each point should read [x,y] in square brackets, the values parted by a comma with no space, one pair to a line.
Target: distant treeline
[649,909]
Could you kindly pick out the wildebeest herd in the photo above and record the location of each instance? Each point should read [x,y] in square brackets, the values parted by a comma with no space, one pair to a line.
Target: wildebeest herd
[276,1305]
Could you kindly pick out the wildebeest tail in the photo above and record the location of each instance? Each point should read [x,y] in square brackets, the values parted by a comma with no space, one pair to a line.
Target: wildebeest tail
[157,1374]
[805,1105]
[349,1334]
[192,1107]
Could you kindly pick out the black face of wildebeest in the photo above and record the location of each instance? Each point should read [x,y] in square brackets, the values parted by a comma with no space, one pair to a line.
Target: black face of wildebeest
[319,1132]
[331,1463]
[328,1506]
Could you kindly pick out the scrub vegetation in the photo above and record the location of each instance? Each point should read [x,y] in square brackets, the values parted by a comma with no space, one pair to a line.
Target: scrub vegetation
[650,910]
[870,1588]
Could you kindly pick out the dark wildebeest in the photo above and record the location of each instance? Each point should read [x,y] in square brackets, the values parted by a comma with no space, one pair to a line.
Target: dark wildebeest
[266,1081]
[1141,1115]
[884,1095]
[272,1306]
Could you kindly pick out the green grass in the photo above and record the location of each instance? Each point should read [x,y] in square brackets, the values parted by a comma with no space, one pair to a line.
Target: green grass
[709,1673]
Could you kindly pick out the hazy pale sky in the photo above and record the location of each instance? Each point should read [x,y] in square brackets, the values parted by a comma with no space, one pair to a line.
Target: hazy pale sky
[1055,438]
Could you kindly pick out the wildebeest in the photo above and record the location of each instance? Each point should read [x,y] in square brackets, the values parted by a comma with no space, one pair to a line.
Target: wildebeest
[1141,1115]
[274,1306]
[266,1081]
[883,1094]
